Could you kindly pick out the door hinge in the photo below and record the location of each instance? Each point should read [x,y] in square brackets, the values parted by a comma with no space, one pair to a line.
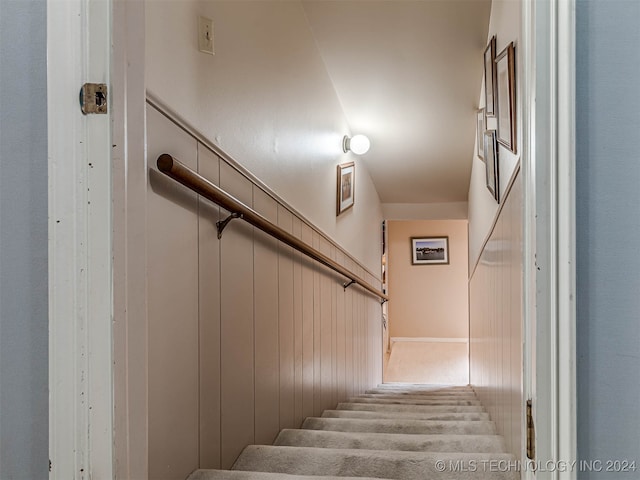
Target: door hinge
[93,98]
[531,433]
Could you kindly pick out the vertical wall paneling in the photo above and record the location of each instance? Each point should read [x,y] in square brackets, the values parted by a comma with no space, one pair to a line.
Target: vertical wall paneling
[348,309]
[353,300]
[335,284]
[326,307]
[246,335]
[375,321]
[209,315]
[266,324]
[496,322]
[340,335]
[298,319]
[308,345]
[172,307]
[357,347]
[287,333]
[362,348]
[318,406]
[236,300]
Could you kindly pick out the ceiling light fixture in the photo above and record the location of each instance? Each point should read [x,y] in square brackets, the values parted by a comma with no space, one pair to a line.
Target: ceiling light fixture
[358,144]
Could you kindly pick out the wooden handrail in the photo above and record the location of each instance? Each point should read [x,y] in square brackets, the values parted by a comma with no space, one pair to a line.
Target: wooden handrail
[196,182]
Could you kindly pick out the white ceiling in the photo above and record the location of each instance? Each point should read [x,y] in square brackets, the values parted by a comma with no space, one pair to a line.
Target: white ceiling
[408,75]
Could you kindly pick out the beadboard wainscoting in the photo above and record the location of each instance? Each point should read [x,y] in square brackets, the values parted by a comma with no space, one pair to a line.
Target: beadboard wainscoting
[246,336]
[495,290]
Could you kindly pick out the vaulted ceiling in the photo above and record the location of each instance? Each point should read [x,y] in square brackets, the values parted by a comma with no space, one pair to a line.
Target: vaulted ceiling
[408,74]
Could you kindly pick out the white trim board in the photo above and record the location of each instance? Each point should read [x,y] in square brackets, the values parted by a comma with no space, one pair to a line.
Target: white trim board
[549,239]
[80,244]
[429,340]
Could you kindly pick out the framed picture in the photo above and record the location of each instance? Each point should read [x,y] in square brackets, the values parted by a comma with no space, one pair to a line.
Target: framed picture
[480,128]
[491,163]
[430,250]
[506,95]
[490,77]
[346,187]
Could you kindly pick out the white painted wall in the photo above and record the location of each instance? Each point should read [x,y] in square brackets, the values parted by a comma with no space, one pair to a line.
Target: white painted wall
[505,25]
[266,99]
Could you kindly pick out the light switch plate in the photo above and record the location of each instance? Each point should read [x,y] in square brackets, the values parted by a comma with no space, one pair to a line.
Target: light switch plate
[205,35]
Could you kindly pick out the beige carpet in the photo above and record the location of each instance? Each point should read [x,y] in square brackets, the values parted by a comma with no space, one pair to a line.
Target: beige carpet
[445,363]
[400,432]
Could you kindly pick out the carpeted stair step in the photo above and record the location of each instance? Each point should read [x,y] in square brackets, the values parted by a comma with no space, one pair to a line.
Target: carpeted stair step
[408,393]
[408,426]
[424,387]
[421,396]
[395,400]
[240,475]
[390,407]
[373,463]
[411,391]
[391,441]
[406,415]
[388,391]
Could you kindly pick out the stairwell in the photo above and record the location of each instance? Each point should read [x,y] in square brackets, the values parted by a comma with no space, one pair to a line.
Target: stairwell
[395,431]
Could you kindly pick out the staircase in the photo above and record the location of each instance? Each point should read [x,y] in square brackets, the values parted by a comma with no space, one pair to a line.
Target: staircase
[396,431]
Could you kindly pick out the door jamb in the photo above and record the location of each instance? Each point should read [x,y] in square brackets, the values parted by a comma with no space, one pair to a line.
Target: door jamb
[80,246]
[549,263]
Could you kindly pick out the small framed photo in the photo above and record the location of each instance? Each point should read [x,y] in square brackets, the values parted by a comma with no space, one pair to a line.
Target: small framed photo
[480,128]
[490,77]
[346,187]
[430,250]
[491,163]
[506,92]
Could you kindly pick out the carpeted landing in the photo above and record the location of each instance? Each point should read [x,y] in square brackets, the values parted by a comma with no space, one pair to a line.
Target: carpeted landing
[395,431]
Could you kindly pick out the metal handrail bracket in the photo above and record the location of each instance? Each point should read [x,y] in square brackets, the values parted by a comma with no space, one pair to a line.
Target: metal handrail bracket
[196,182]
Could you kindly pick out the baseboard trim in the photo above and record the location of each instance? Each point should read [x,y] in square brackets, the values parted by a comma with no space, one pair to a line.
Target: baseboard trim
[429,340]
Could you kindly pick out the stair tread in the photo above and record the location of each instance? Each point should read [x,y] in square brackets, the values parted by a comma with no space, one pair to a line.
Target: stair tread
[411,401]
[209,474]
[408,426]
[409,393]
[425,387]
[372,406]
[391,441]
[419,396]
[369,463]
[464,416]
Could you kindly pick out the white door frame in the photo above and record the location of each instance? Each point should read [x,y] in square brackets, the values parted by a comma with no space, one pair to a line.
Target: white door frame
[548,29]
[83,280]
[80,244]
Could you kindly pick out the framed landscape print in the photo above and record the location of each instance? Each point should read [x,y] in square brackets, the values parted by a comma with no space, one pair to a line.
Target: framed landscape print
[480,128]
[490,77]
[491,164]
[346,187]
[506,96]
[430,250]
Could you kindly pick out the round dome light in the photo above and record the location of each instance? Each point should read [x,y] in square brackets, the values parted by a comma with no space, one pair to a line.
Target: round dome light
[358,144]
